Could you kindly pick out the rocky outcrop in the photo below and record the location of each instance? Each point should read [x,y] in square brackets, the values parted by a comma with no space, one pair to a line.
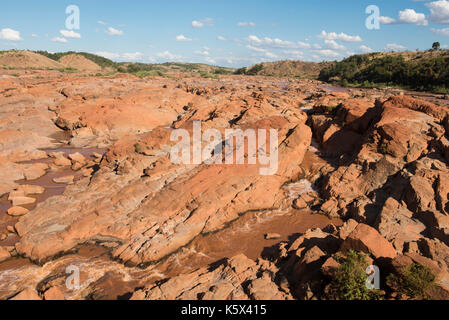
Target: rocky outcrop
[382,167]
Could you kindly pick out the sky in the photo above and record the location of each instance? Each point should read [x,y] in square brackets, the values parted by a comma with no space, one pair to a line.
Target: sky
[232,33]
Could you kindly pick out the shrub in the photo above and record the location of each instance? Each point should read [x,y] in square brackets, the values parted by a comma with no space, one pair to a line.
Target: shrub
[413,281]
[143,74]
[255,70]
[349,279]
[68,70]
[138,148]
[240,71]
[208,75]
[383,148]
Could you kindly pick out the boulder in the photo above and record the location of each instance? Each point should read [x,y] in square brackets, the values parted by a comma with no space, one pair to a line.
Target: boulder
[54,293]
[367,239]
[31,189]
[20,201]
[4,254]
[35,171]
[396,224]
[64,180]
[27,294]
[17,211]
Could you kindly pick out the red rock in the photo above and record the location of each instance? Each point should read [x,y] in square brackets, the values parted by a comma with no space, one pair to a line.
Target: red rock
[31,189]
[395,222]
[27,294]
[35,171]
[77,157]
[19,201]
[329,267]
[17,211]
[64,180]
[272,236]
[367,239]
[347,228]
[54,294]
[4,254]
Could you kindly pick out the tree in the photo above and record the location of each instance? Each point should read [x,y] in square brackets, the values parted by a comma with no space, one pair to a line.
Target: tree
[436,46]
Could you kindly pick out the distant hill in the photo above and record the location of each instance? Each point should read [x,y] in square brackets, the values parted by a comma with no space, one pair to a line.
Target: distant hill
[98,60]
[287,68]
[417,70]
[17,59]
[79,62]
[171,68]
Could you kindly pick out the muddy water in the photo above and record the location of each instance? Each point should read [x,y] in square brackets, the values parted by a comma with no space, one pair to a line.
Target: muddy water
[46,181]
[245,235]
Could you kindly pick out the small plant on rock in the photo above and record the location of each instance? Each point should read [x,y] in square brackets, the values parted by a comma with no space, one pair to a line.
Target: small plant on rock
[413,281]
[350,278]
[138,148]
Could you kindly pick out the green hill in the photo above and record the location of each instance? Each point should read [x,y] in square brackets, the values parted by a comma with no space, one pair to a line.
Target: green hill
[101,61]
[286,68]
[417,70]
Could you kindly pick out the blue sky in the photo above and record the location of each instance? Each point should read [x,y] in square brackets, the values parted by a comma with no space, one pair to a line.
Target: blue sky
[223,32]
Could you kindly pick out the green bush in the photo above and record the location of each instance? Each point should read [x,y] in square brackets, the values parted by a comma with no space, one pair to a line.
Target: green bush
[67,70]
[240,71]
[143,74]
[383,148]
[208,75]
[349,279]
[426,72]
[413,281]
[255,70]
[138,148]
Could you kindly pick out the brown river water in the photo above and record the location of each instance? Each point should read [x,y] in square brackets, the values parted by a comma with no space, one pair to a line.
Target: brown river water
[245,235]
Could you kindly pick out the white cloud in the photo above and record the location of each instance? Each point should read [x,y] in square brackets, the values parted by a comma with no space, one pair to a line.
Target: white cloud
[332,44]
[114,32]
[183,38]
[59,39]
[246,24]
[133,56]
[10,34]
[265,52]
[271,55]
[221,38]
[394,47]
[35,35]
[210,60]
[70,34]
[202,53]
[201,23]
[387,20]
[327,53]
[276,43]
[108,55]
[197,24]
[294,54]
[167,55]
[410,16]
[255,49]
[439,11]
[442,32]
[102,23]
[365,49]
[340,37]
